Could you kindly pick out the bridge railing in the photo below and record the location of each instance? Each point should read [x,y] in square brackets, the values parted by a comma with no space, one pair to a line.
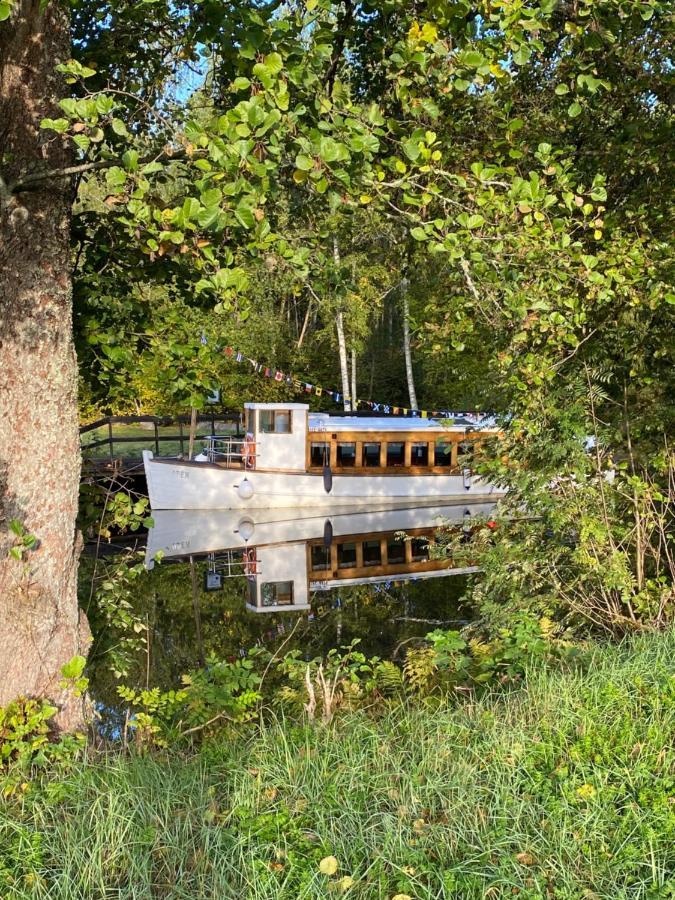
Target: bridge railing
[164,435]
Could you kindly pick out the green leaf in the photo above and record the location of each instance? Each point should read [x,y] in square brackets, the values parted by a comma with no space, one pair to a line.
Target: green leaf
[304,163]
[471,58]
[74,667]
[59,125]
[411,149]
[5,10]
[562,89]
[274,63]
[419,233]
[119,128]
[522,55]
[244,215]
[574,110]
[241,84]
[208,215]
[130,160]
[263,74]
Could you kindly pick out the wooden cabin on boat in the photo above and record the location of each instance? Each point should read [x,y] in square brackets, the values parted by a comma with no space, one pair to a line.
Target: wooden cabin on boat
[291,457]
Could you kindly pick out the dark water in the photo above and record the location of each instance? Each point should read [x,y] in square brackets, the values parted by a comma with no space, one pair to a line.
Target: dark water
[227,581]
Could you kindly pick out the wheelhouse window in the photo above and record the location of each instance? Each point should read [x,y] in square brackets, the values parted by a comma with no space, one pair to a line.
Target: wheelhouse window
[372,553]
[320,558]
[275,421]
[443,454]
[396,454]
[276,593]
[371,455]
[395,551]
[319,454]
[346,554]
[419,454]
[346,454]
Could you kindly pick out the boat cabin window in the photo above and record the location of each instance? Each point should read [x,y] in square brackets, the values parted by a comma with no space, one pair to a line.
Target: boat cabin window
[346,454]
[372,554]
[275,421]
[396,454]
[466,451]
[371,455]
[320,558]
[319,454]
[395,551]
[346,554]
[419,454]
[276,593]
[420,549]
[443,454]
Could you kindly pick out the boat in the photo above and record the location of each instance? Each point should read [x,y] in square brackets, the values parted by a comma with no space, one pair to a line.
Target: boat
[290,457]
[288,555]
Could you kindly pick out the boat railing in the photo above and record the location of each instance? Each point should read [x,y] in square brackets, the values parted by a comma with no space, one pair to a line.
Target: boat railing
[232,452]
[234,563]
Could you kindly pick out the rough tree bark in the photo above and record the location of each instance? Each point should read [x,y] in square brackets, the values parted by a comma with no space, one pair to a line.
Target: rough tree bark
[40,627]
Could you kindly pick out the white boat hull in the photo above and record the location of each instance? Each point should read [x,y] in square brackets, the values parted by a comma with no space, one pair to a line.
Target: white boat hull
[178,484]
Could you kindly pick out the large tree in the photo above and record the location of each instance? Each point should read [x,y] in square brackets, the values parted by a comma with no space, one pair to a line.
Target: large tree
[40,627]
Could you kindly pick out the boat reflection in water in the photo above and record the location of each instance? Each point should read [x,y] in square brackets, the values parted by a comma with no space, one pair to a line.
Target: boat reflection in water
[287,554]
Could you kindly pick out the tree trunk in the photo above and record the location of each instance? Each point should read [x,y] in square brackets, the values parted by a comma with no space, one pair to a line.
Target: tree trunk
[342,346]
[406,345]
[353,378]
[40,626]
[344,367]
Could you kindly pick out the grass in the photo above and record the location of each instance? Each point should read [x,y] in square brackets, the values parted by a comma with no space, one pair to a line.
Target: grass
[564,789]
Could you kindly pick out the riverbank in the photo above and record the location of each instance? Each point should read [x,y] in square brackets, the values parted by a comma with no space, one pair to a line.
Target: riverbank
[562,789]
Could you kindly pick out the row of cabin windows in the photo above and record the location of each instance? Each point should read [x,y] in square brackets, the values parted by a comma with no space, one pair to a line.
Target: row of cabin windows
[346,454]
[320,558]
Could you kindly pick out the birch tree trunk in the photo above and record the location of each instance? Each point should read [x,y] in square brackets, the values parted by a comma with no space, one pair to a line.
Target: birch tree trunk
[344,367]
[412,394]
[353,378]
[40,627]
[342,346]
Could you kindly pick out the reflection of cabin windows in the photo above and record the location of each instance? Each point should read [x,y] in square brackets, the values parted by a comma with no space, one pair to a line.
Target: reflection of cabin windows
[276,593]
[275,421]
[371,455]
[346,555]
[419,549]
[320,558]
[443,453]
[319,454]
[396,454]
[346,454]
[419,454]
[372,553]
[395,551]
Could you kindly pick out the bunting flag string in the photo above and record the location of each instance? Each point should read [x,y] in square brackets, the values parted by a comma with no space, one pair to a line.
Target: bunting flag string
[387,409]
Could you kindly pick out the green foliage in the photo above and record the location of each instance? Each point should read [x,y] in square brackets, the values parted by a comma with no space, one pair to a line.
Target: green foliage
[220,693]
[73,676]
[27,741]
[23,541]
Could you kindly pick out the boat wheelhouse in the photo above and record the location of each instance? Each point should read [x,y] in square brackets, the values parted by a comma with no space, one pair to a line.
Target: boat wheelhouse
[291,457]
